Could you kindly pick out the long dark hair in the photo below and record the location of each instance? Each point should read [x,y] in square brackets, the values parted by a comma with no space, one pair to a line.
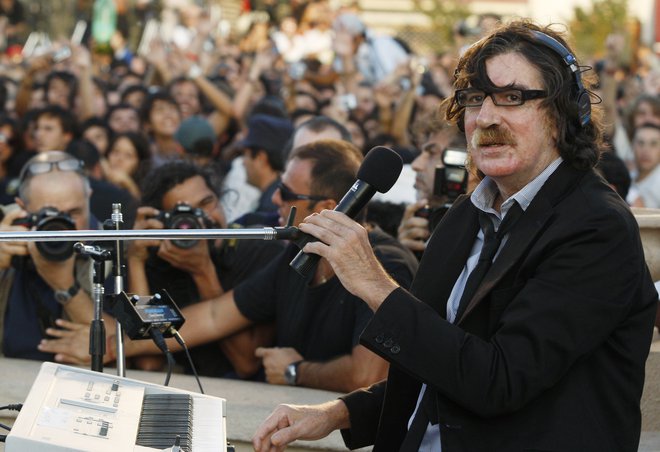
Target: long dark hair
[576,144]
[141,145]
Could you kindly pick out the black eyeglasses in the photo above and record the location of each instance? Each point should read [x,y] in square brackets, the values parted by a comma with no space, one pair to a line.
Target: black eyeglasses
[473,97]
[288,195]
[34,168]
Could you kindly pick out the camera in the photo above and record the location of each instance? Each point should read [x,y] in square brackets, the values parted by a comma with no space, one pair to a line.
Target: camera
[50,219]
[449,181]
[184,216]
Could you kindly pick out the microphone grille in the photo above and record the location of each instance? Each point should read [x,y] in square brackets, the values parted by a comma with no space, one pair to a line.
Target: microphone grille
[381,168]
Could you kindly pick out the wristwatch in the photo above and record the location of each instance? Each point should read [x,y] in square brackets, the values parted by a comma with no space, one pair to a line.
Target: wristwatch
[64,296]
[291,373]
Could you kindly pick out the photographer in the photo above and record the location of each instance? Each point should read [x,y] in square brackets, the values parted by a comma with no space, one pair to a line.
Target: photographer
[318,322]
[420,217]
[182,195]
[43,281]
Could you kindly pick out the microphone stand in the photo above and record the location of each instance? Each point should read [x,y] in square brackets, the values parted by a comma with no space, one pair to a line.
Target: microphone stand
[97,327]
[112,232]
[118,273]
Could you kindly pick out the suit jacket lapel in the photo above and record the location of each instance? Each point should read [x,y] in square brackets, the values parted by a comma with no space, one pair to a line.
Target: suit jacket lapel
[530,224]
[448,249]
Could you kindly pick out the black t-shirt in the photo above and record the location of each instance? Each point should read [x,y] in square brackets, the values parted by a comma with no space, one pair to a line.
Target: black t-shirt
[320,322]
[234,261]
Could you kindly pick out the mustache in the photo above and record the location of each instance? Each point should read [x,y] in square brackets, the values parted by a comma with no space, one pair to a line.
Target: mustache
[492,135]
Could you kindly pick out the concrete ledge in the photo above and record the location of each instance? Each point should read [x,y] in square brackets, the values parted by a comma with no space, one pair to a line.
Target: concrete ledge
[248,403]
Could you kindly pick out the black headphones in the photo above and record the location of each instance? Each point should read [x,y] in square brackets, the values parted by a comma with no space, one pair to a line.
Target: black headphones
[582,96]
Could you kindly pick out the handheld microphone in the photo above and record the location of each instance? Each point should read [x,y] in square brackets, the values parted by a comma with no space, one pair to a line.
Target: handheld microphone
[378,172]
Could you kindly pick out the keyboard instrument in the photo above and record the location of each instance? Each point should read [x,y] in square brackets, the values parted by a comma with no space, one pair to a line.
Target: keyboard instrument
[73,409]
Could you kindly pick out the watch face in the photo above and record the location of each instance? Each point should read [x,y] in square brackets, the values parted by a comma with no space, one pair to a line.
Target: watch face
[62,296]
[290,374]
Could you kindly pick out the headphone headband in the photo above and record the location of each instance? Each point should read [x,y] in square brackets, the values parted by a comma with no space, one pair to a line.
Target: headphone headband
[582,96]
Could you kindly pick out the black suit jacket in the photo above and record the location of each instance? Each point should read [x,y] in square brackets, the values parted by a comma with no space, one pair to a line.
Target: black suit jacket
[550,352]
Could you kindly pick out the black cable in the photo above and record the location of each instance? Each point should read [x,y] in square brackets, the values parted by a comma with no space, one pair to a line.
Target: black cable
[182,343]
[6,427]
[159,340]
[170,366]
[12,407]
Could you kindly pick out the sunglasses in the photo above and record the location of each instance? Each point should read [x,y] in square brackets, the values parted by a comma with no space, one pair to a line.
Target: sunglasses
[35,168]
[288,195]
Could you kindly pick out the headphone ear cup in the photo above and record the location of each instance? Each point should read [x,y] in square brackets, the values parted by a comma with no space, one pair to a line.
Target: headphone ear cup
[584,107]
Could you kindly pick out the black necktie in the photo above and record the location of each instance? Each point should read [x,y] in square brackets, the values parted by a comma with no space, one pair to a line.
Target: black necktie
[427,411]
[492,241]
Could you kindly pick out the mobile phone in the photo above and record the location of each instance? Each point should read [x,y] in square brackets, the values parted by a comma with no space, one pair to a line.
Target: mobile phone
[348,102]
[61,54]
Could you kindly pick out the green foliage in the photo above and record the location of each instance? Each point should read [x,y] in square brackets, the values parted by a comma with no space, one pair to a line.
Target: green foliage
[444,15]
[590,28]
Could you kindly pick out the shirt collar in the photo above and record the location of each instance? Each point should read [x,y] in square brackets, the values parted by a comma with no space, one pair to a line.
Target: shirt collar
[484,195]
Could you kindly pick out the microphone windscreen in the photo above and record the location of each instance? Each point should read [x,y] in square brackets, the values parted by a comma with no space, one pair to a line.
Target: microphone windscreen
[381,168]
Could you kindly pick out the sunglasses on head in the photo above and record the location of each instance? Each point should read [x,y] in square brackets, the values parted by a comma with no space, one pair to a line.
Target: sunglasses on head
[34,168]
[289,195]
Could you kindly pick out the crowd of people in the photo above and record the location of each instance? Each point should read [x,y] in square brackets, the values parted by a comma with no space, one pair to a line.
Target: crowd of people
[234,131]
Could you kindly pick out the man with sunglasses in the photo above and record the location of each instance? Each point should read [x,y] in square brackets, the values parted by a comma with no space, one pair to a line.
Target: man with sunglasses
[317,321]
[531,315]
[40,284]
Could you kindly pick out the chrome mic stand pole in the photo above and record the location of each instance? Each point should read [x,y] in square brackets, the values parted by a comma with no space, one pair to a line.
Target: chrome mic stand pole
[118,273]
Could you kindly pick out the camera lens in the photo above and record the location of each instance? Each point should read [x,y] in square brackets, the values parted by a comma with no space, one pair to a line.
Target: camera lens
[56,251]
[184,221]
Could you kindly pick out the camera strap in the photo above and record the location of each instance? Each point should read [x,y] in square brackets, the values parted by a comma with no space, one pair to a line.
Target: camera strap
[45,317]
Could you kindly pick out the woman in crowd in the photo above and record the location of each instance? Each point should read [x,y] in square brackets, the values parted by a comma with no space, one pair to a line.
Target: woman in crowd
[128,159]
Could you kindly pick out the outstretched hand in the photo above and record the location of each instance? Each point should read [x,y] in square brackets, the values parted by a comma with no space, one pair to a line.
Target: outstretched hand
[289,423]
[71,343]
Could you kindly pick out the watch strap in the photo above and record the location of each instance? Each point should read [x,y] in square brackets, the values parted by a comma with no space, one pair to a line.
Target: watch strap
[64,296]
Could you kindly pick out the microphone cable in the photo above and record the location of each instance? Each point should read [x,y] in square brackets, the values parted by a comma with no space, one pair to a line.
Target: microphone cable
[159,340]
[173,331]
[12,407]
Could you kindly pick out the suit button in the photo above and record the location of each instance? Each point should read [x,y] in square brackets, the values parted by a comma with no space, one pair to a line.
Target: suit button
[388,343]
[395,349]
[380,338]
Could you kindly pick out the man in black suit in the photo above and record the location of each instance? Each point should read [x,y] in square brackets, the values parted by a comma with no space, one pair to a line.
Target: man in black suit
[533,337]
